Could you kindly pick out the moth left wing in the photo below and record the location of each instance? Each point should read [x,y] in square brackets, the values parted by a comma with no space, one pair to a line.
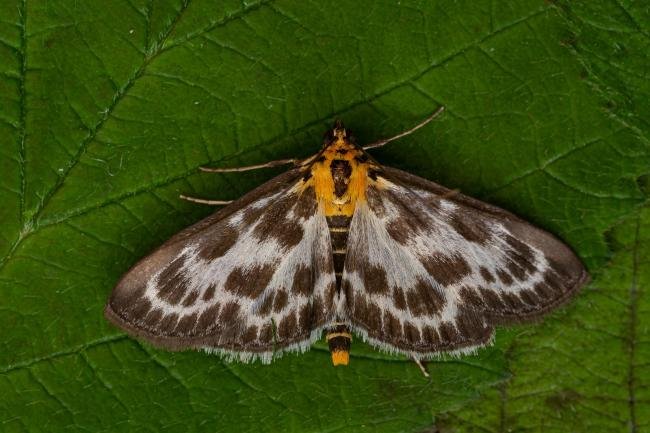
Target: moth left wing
[429,270]
[254,278]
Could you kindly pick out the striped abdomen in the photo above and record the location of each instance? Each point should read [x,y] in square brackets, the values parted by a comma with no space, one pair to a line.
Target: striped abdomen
[338,226]
[339,336]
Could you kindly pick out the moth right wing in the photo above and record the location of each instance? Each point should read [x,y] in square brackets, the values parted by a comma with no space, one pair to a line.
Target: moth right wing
[254,278]
[429,270]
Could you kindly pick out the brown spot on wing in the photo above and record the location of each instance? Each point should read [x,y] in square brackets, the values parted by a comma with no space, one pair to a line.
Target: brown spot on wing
[287,327]
[430,336]
[275,223]
[401,230]
[172,270]
[491,298]
[172,283]
[229,314]
[209,293]
[487,275]
[424,299]
[520,258]
[374,279]
[512,302]
[529,297]
[373,318]
[306,204]
[543,290]
[191,298]
[267,304]
[208,319]
[412,333]
[139,308]
[470,323]
[399,300]
[252,214]
[375,202]
[281,300]
[448,332]
[318,310]
[174,296]
[153,317]
[523,251]
[516,271]
[302,281]
[330,292]
[305,318]
[168,323]
[186,324]
[504,277]
[472,229]
[214,247]
[360,307]
[414,216]
[392,325]
[266,333]
[470,296]
[290,235]
[249,282]
[249,335]
[446,270]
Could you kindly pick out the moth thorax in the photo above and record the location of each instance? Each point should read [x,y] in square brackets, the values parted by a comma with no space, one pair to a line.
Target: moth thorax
[338,340]
[341,171]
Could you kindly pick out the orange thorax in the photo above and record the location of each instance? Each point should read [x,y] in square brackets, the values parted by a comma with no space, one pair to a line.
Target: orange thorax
[340,177]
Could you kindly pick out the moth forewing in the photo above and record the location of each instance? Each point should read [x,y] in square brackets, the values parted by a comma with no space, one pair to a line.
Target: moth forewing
[253,278]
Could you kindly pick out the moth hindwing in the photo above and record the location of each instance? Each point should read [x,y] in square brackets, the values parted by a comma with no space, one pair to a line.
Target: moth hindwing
[340,243]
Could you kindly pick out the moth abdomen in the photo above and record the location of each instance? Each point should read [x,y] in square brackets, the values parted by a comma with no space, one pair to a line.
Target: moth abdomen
[339,339]
[338,226]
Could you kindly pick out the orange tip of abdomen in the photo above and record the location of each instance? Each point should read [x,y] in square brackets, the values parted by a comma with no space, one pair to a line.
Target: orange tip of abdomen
[340,357]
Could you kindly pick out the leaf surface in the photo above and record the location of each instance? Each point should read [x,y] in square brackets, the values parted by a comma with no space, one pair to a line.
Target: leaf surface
[107,111]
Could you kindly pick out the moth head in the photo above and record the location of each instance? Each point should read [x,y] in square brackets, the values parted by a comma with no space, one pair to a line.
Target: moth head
[338,135]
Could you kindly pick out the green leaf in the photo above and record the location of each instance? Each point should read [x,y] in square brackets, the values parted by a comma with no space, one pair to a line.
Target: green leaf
[108,109]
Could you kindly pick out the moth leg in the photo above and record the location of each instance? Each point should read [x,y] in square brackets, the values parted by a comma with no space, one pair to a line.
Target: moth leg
[423,369]
[204,201]
[405,133]
[269,164]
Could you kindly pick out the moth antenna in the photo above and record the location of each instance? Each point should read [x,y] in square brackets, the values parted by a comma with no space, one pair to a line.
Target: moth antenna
[423,369]
[204,201]
[269,164]
[407,132]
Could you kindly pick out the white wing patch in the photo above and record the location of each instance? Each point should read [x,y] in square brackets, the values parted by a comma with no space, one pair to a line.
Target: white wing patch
[427,274]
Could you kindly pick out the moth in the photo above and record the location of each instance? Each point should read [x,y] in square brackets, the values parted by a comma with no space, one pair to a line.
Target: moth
[340,244]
